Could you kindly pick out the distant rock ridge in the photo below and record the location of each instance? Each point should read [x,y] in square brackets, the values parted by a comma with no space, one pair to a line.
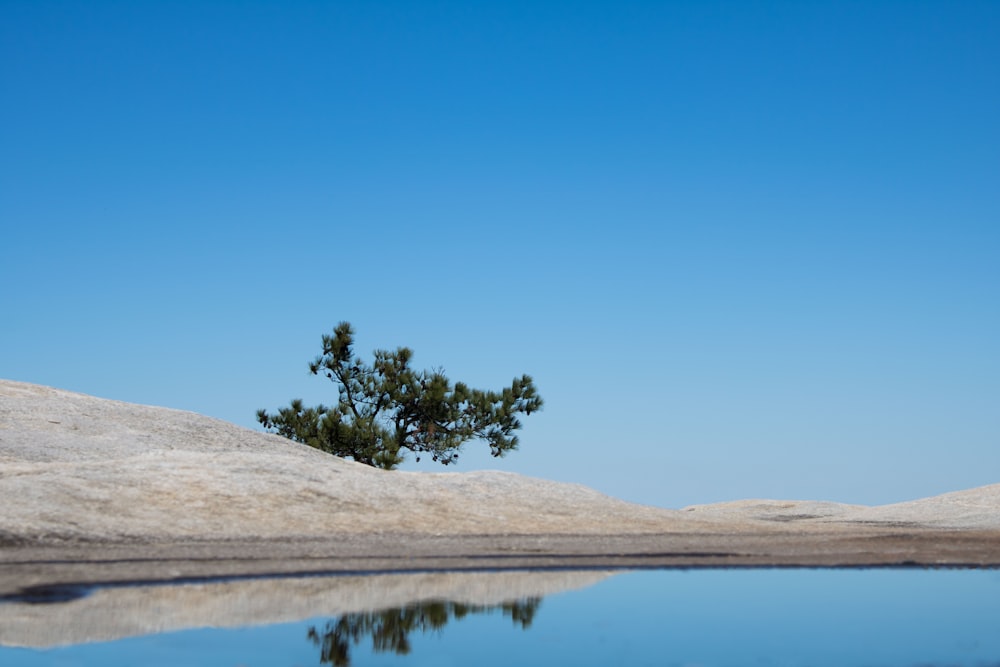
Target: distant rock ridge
[971,509]
[75,467]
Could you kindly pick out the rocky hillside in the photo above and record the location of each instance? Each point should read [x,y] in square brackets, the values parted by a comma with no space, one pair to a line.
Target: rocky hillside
[75,467]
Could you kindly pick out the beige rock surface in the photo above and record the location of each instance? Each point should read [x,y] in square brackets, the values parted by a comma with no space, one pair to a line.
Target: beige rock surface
[168,519]
[98,490]
[78,467]
[972,509]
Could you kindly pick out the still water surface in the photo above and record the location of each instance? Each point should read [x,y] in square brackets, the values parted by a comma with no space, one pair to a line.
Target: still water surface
[668,617]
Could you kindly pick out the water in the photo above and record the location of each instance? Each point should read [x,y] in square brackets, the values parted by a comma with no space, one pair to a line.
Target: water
[672,617]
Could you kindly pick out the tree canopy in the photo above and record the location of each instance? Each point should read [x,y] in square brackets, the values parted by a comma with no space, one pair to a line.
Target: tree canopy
[390,629]
[387,407]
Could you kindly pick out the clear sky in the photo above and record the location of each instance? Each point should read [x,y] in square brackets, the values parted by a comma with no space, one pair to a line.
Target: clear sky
[746,249]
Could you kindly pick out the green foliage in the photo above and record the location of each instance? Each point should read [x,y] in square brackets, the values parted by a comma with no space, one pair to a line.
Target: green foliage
[390,629]
[388,407]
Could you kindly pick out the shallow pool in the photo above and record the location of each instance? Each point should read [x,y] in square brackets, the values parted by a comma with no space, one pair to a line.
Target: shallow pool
[656,617]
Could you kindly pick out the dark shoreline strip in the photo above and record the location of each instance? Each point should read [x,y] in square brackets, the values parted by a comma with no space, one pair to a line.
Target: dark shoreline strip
[69,591]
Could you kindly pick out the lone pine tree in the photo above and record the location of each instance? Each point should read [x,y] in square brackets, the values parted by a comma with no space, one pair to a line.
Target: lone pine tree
[387,407]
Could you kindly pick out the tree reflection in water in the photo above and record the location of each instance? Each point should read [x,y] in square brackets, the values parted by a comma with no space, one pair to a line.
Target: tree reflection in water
[390,629]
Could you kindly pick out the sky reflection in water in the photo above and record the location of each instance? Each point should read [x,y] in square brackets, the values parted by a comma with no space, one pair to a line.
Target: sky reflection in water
[696,617]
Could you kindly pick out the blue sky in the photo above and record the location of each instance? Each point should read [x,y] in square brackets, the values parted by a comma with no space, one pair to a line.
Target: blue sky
[746,249]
